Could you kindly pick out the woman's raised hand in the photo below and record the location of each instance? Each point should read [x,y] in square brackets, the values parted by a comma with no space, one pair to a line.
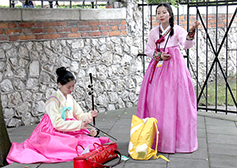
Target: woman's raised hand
[194,26]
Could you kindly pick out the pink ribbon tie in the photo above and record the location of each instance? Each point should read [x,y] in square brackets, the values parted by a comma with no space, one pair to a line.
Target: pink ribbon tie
[160,40]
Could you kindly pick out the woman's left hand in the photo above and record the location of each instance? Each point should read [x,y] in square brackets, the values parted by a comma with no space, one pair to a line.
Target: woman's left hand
[94,113]
[194,26]
[93,132]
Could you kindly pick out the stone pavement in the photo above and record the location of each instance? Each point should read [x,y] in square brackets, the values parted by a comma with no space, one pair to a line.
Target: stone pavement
[217,138]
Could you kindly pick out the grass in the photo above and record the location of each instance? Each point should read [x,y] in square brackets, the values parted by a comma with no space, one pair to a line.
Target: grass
[221,93]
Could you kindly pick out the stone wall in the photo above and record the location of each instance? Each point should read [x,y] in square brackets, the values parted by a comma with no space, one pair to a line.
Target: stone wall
[106,44]
[33,44]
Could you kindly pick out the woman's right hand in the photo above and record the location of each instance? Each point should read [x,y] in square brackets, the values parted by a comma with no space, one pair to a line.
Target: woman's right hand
[165,56]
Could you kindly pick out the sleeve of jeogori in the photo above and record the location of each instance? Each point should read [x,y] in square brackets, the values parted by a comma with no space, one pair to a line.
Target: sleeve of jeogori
[79,114]
[181,33]
[151,43]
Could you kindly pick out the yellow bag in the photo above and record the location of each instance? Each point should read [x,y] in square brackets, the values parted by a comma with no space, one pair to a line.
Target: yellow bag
[142,135]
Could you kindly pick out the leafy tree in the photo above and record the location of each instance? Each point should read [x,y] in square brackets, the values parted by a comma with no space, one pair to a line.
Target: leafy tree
[173,2]
[5,143]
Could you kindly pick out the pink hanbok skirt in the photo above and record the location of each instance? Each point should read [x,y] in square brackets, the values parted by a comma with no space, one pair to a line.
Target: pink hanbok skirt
[48,145]
[167,93]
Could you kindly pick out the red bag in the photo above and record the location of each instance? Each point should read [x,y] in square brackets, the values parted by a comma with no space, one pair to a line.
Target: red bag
[96,158]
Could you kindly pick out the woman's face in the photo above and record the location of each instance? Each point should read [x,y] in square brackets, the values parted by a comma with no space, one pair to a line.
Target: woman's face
[67,88]
[163,15]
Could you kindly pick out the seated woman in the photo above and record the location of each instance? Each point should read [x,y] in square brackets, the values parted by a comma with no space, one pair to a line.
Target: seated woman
[62,128]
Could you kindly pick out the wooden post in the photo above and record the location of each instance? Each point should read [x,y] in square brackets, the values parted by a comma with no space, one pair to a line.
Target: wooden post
[5,143]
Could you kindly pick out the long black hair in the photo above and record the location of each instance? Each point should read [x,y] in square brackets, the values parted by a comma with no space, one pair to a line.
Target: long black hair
[171,19]
[64,76]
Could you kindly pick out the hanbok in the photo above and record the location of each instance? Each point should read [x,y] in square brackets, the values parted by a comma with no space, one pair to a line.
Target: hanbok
[167,93]
[57,135]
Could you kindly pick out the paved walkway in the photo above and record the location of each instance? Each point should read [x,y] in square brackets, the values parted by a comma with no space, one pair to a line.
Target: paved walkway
[217,138]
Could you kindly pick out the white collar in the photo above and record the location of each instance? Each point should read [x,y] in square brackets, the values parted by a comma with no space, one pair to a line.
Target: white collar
[62,95]
[164,31]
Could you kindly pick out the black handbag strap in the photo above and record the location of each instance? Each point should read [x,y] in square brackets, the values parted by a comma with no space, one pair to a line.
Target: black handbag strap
[109,166]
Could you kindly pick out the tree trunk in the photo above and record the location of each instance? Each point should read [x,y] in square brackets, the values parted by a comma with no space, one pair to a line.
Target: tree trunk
[5,143]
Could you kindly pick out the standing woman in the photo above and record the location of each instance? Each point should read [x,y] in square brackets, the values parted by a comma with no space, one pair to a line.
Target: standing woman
[167,92]
[62,128]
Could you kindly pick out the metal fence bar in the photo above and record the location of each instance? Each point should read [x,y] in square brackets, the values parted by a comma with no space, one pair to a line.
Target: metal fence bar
[216,77]
[226,52]
[143,45]
[210,3]
[219,110]
[187,51]
[197,54]
[207,11]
